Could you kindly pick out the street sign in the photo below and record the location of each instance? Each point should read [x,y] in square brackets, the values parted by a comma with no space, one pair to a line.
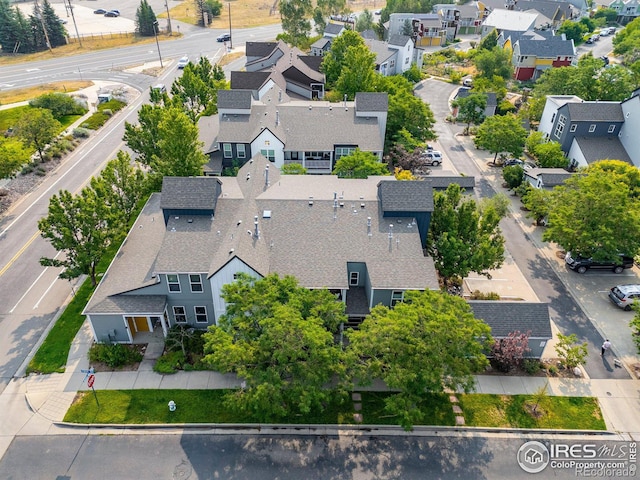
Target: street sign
[90,380]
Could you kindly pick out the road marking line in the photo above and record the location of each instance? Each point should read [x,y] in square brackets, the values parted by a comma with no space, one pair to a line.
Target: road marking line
[31,286]
[19,252]
[47,290]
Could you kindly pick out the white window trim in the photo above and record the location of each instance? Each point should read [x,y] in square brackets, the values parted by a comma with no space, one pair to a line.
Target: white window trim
[592,128]
[176,314]
[395,294]
[177,282]
[195,312]
[241,150]
[354,276]
[573,128]
[199,282]
[612,128]
[228,150]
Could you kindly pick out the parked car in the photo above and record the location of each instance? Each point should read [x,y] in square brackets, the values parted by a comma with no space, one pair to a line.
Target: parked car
[581,264]
[468,82]
[431,157]
[225,37]
[510,162]
[100,11]
[160,87]
[112,13]
[624,296]
[377,12]
[183,62]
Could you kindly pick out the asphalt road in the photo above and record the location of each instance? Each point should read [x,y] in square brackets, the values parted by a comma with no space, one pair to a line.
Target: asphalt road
[564,310]
[281,457]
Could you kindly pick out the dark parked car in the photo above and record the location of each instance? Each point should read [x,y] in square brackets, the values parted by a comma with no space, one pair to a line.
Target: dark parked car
[510,162]
[225,37]
[582,264]
[112,13]
[100,11]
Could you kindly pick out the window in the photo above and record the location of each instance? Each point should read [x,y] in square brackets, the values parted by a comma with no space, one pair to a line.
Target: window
[344,151]
[174,283]
[396,296]
[560,127]
[354,278]
[553,117]
[196,283]
[406,60]
[240,150]
[392,63]
[180,314]
[226,147]
[592,128]
[269,155]
[573,127]
[201,314]
[612,128]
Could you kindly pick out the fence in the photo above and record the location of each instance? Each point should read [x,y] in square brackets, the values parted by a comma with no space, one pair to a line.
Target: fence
[100,35]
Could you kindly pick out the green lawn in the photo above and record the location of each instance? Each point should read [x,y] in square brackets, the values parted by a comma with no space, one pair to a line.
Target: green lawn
[482,410]
[207,406]
[10,116]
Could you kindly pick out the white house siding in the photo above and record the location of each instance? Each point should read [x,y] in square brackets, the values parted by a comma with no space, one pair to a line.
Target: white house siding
[265,88]
[575,156]
[268,141]
[629,132]
[303,92]
[222,277]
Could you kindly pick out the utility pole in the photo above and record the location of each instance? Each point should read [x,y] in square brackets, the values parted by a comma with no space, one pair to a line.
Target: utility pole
[73,17]
[44,27]
[230,35]
[168,17]
[155,31]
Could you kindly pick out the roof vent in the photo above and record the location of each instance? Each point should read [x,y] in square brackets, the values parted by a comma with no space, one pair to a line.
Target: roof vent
[310,107]
[190,220]
[231,251]
[176,217]
[362,205]
[266,214]
[310,201]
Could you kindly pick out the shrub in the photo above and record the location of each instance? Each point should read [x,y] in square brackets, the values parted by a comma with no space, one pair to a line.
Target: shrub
[81,132]
[170,362]
[553,370]
[115,355]
[455,77]
[108,112]
[513,175]
[508,352]
[478,295]
[531,366]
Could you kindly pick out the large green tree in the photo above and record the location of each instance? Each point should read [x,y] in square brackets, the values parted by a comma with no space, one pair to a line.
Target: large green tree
[59,104]
[365,21]
[550,155]
[13,155]
[573,30]
[358,73]
[429,343]
[145,20]
[77,226]
[499,134]
[360,165]
[334,61]
[462,239]
[496,61]
[144,138]
[196,90]
[294,16]
[278,338]
[471,108]
[597,213]
[36,127]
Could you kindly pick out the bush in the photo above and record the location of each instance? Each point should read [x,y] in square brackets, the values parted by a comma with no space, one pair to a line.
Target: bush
[531,366]
[114,356]
[455,77]
[81,132]
[553,370]
[59,104]
[169,363]
[108,112]
[478,295]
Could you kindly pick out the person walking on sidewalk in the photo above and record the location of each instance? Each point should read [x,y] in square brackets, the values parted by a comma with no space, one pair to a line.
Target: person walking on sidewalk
[605,346]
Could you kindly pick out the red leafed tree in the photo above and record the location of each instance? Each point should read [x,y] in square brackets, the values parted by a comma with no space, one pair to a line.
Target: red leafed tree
[508,352]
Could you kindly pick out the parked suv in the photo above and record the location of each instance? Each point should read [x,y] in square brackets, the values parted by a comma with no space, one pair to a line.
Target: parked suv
[582,264]
[432,157]
[625,295]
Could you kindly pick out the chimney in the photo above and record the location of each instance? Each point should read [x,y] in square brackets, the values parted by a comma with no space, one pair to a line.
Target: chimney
[266,176]
[335,199]
[369,227]
[256,232]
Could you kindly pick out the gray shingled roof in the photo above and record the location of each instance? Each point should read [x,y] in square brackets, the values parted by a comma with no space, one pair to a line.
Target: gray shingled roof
[380,49]
[372,101]
[406,196]
[321,43]
[506,317]
[234,99]
[248,80]
[398,40]
[259,49]
[333,28]
[602,148]
[551,177]
[548,48]
[441,182]
[595,111]
[187,193]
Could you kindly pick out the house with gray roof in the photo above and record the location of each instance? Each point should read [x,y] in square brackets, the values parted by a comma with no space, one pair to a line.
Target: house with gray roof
[459,19]
[546,178]
[501,19]
[362,239]
[553,12]
[533,54]
[394,56]
[505,317]
[313,134]
[628,10]
[426,29]
[321,46]
[491,105]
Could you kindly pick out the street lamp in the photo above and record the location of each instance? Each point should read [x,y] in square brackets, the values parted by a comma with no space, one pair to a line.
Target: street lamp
[155,31]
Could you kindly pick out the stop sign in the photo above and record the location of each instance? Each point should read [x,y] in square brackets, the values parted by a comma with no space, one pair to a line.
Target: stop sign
[90,380]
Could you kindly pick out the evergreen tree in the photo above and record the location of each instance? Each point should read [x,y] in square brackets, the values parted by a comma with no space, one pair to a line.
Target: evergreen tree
[145,19]
[55,29]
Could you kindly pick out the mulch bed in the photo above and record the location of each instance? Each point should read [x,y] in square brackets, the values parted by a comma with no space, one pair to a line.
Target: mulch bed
[133,367]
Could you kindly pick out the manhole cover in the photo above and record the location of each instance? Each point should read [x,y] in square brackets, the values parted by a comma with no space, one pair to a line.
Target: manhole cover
[182,471]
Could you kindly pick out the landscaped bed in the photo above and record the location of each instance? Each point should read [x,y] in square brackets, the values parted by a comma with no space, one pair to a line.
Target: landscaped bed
[207,406]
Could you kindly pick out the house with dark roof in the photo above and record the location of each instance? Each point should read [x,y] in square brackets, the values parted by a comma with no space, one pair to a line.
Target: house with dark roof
[313,134]
[505,317]
[394,56]
[492,100]
[321,46]
[546,178]
[362,239]
[533,53]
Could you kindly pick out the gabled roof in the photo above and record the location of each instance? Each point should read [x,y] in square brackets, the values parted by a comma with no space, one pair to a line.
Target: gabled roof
[405,196]
[505,317]
[548,48]
[602,148]
[311,61]
[334,28]
[551,177]
[259,49]
[248,80]
[595,111]
[399,40]
[234,99]
[510,20]
[441,180]
[380,49]
[185,193]
[372,101]
[321,43]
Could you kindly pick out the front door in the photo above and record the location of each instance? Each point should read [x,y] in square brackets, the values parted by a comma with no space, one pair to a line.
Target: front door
[142,324]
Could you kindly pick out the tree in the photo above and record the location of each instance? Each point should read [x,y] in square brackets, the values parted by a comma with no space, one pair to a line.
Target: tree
[471,108]
[359,164]
[573,30]
[144,138]
[206,10]
[181,152]
[196,90]
[616,83]
[428,343]
[401,174]
[294,15]
[460,239]
[358,73]
[513,176]
[334,61]
[293,169]
[406,159]
[494,62]
[37,128]
[365,21]
[55,29]
[12,156]
[499,134]
[508,352]
[59,104]
[279,338]
[550,155]
[490,41]
[145,20]
[609,14]
[585,216]
[571,353]
[537,202]
[76,225]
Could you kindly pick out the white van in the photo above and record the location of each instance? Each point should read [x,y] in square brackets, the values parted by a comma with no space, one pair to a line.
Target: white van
[624,296]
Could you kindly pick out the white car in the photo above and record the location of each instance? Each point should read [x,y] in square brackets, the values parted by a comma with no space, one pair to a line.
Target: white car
[432,158]
[183,62]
